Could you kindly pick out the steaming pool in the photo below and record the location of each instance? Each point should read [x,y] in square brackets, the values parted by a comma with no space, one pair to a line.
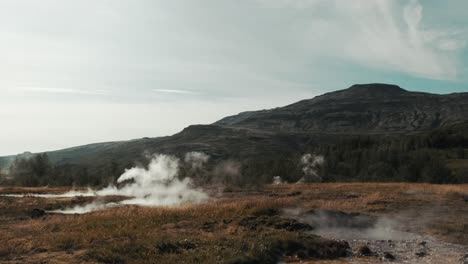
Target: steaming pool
[165,197]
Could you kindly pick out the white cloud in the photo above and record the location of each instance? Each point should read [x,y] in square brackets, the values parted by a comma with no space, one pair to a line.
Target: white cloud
[173,91]
[384,35]
[234,55]
[299,4]
[60,90]
[177,44]
[390,36]
[451,44]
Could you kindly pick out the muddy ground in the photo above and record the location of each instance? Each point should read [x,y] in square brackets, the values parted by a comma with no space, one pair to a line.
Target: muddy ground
[305,223]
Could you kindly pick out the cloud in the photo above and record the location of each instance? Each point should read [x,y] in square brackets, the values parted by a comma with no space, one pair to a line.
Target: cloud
[182,44]
[299,4]
[451,44]
[174,91]
[230,56]
[61,90]
[384,35]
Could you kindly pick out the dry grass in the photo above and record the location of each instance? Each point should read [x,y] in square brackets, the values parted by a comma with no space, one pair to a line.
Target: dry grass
[37,190]
[133,234]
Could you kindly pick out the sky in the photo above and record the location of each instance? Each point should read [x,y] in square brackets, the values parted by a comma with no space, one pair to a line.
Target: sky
[79,72]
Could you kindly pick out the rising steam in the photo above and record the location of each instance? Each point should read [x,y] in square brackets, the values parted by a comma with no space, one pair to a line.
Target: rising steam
[277,180]
[156,185]
[310,165]
[196,160]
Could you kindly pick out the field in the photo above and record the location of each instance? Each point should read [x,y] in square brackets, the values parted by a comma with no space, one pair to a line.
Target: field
[243,225]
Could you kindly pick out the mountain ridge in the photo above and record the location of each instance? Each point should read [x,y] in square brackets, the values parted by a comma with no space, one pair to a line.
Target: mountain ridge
[363,109]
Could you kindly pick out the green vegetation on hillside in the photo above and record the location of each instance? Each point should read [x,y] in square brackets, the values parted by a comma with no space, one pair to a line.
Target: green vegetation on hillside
[370,132]
[38,170]
[410,158]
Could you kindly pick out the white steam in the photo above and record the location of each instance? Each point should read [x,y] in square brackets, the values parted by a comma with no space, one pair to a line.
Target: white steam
[277,180]
[229,171]
[69,194]
[310,165]
[340,225]
[196,160]
[87,208]
[156,185]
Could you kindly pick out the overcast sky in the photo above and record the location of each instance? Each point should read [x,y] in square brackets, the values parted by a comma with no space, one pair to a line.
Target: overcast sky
[76,72]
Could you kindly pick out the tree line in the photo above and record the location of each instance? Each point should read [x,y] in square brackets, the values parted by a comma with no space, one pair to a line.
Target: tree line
[403,158]
[410,158]
[38,170]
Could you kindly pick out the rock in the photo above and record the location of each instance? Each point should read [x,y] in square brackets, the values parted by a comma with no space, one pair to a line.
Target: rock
[294,194]
[266,211]
[175,247]
[168,226]
[301,255]
[186,244]
[351,196]
[184,224]
[37,213]
[167,247]
[40,250]
[208,226]
[421,254]
[364,251]
[388,256]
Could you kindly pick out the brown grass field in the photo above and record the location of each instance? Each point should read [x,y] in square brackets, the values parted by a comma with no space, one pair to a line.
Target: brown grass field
[213,232]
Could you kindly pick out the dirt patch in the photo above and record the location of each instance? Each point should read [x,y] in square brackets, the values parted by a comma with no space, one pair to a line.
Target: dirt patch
[276,222]
[303,247]
[37,213]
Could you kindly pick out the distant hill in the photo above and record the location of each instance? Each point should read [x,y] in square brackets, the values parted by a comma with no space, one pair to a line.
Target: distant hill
[217,141]
[370,110]
[360,109]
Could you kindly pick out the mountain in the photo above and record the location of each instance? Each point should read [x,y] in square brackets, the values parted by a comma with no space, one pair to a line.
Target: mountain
[360,109]
[373,110]
[217,141]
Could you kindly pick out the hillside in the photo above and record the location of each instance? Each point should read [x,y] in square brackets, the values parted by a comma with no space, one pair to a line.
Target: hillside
[360,109]
[272,141]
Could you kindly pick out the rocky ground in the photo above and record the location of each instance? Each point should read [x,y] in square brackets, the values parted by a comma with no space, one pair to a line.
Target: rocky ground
[408,248]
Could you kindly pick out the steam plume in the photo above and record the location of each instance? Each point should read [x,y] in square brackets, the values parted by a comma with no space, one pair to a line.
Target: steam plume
[156,185]
[277,180]
[310,164]
[196,160]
